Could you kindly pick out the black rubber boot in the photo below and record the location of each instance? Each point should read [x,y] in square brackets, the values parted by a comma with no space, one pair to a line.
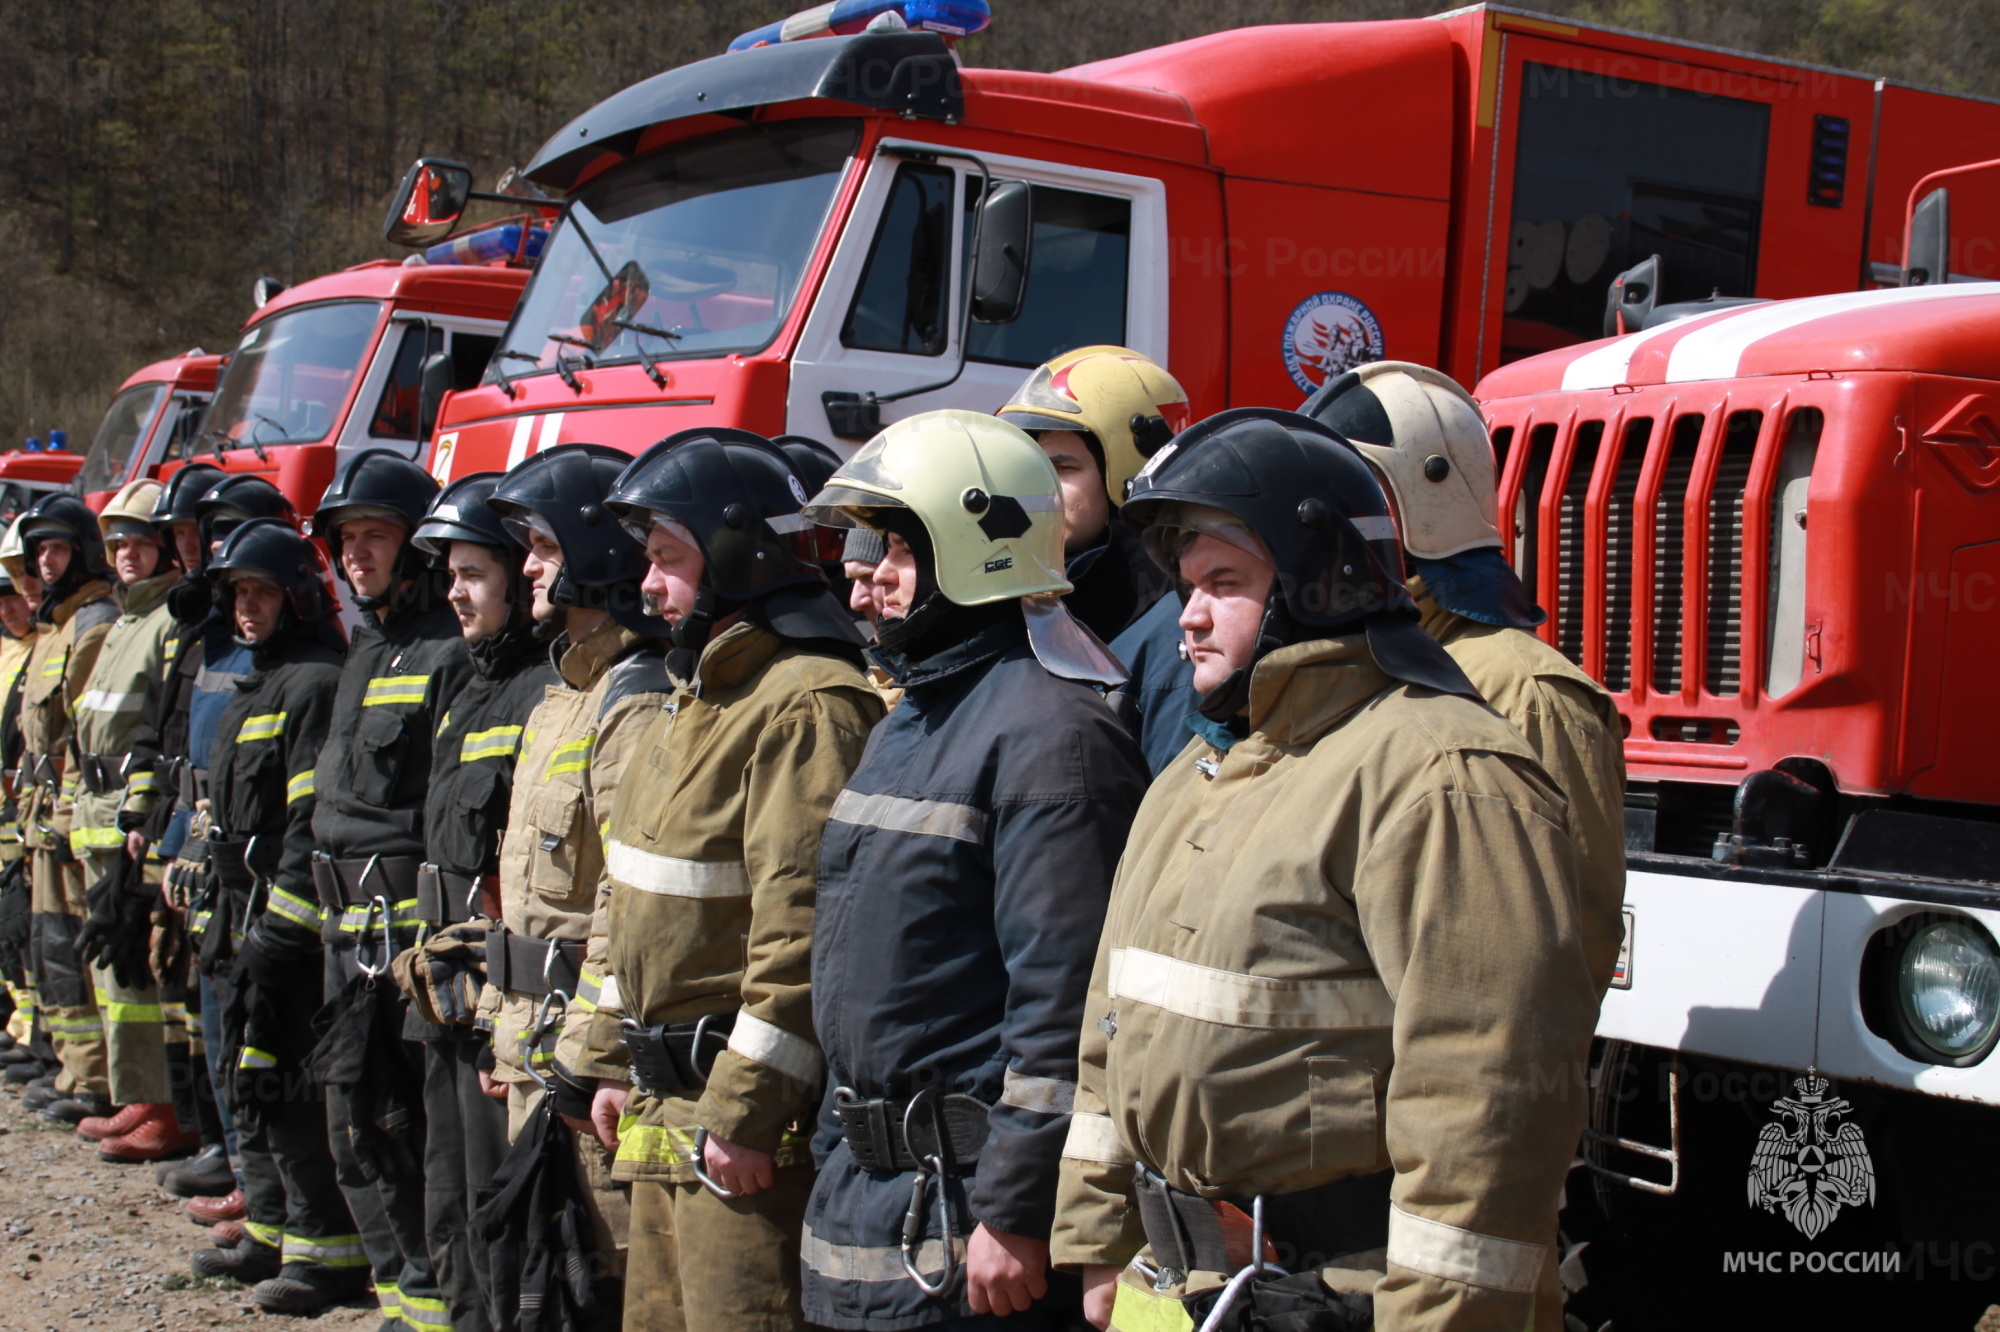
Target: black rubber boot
[306,1288]
[249,1262]
[40,1094]
[206,1175]
[27,1070]
[76,1109]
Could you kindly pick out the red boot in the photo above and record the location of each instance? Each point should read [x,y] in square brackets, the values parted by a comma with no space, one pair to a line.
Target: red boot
[228,1234]
[209,1211]
[156,1137]
[97,1128]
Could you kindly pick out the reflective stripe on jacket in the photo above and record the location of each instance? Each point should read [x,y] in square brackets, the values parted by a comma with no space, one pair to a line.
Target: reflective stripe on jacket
[1347,942]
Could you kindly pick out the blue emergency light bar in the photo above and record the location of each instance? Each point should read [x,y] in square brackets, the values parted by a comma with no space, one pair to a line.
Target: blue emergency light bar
[843,18]
[490,245]
[32,445]
[58,441]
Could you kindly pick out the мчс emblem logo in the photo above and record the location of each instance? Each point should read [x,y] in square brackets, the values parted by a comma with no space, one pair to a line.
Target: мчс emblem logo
[1812,1161]
[1327,335]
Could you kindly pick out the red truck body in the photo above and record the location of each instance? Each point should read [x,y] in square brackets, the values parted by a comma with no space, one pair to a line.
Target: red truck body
[152,419]
[1207,204]
[333,366]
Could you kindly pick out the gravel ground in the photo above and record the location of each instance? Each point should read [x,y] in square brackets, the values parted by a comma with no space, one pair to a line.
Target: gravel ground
[88,1244]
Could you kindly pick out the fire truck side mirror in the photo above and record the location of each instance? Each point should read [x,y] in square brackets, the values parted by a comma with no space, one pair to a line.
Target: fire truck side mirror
[429,202]
[432,385]
[1006,227]
[1632,297]
[1928,259]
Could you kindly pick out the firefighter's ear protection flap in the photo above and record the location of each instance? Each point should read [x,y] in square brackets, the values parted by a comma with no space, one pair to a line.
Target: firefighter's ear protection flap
[1404,650]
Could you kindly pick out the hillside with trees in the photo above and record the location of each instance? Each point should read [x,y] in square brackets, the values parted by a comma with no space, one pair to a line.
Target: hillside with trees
[159,157]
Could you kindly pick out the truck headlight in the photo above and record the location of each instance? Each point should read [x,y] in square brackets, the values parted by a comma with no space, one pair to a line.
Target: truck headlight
[1948,985]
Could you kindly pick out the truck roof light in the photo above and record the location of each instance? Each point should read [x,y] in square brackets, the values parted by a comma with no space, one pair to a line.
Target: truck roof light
[843,18]
[489,245]
[33,444]
[58,441]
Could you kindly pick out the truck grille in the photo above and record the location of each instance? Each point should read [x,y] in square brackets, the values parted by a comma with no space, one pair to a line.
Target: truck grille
[1724,666]
[1618,555]
[1670,553]
[1572,569]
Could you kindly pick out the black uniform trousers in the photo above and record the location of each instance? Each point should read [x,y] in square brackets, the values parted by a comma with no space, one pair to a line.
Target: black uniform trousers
[467,1139]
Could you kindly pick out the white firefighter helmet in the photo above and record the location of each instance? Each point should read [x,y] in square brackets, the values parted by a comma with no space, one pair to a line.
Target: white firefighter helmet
[1424,435]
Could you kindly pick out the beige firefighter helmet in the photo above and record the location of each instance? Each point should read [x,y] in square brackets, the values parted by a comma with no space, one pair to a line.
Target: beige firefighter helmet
[1425,436]
[13,558]
[984,491]
[129,515]
[1124,402]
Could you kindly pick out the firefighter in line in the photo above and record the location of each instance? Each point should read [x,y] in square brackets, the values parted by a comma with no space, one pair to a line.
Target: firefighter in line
[465,816]
[406,663]
[1342,986]
[19,1051]
[263,783]
[579,741]
[1424,436]
[1100,413]
[146,1055]
[59,537]
[704,933]
[963,879]
[173,741]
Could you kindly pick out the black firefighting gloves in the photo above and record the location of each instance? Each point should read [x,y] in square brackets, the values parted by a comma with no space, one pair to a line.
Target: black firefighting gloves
[117,935]
[16,921]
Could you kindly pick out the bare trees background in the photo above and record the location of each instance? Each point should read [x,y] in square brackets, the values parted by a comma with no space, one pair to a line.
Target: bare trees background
[156,157]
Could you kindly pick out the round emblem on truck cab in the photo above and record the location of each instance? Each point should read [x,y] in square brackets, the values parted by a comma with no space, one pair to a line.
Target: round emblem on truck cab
[1329,334]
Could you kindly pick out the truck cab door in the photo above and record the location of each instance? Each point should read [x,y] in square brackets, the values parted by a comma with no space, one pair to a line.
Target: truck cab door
[889,315]
[384,415]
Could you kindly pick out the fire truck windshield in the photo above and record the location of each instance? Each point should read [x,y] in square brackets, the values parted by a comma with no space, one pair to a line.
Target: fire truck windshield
[110,456]
[693,251]
[290,376]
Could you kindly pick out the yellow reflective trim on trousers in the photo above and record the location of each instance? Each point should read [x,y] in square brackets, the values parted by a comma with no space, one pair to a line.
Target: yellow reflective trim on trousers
[421,1311]
[1136,1310]
[653,1144]
[395,689]
[253,1058]
[295,908]
[390,1297]
[572,757]
[331,1251]
[94,839]
[300,786]
[75,1028]
[500,742]
[128,1013]
[266,727]
[271,1237]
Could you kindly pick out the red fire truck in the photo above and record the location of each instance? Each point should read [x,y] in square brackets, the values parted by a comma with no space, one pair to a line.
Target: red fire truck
[152,420]
[1773,532]
[338,364]
[816,236]
[27,474]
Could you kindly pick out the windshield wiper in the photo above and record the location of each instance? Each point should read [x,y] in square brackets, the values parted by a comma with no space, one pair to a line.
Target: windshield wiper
[646,362]
[500,371]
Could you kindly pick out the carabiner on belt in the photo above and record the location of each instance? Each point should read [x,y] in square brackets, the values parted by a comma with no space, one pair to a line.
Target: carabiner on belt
[361,940]
[913,1219]
[256,882]
[544,1023]
[1232,1291]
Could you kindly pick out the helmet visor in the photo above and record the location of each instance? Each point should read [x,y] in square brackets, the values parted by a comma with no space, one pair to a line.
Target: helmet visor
[526,529]
[1177,524]
[842,506]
